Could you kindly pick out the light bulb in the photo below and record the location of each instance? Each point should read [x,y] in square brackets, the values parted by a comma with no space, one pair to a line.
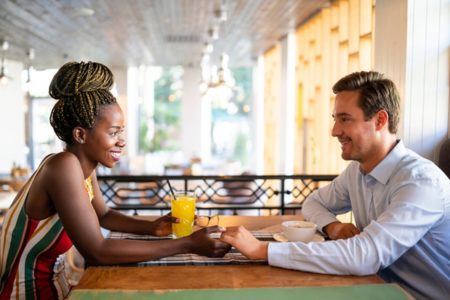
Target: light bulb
[4,80]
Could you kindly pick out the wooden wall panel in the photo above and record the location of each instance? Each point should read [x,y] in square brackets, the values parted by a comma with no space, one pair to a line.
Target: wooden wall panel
[343,58]
[330,45]
[336,41]
[326,159]
[272,94]
[427,82]
[343,20]
[365,52]
[353,62]
[353,30]
[365,17]
[334,15]
[416,57]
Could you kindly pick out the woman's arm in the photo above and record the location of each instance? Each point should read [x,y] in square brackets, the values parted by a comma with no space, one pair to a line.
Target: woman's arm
[65,186]
[116,221]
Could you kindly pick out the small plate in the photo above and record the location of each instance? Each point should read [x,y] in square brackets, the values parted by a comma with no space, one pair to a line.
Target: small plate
[280,237]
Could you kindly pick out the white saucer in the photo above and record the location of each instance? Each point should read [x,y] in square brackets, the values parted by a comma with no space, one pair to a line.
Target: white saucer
[280,237]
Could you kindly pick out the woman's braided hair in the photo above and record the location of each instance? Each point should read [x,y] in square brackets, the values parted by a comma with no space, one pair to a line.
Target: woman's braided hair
[80,89]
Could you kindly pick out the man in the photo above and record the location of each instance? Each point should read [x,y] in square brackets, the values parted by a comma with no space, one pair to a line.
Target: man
[400,201]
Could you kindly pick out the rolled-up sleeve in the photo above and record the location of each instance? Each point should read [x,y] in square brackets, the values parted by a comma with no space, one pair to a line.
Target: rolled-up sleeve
[322,206]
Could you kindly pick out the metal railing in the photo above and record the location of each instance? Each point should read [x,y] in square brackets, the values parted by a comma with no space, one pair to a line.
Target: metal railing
[244,194]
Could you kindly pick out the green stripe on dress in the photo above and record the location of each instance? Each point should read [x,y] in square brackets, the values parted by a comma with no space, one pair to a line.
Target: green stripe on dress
[18,235]
[44,243]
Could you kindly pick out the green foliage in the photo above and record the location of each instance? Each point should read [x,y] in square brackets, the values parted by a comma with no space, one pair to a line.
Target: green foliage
[166,115]
[242,97]
[241,151]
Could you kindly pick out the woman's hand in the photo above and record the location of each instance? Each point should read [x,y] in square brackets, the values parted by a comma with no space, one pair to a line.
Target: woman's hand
[245,242]
[163,226]
[202,244]
[338,230]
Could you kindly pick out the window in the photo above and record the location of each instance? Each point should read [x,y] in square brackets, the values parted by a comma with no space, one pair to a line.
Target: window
[42,139]
[159,118]
[230,128]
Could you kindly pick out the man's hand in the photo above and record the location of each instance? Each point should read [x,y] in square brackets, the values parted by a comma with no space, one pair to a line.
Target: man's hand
[338,230]
[245,242]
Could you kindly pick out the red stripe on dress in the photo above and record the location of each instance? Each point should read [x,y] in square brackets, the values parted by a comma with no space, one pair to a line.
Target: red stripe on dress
[45,262]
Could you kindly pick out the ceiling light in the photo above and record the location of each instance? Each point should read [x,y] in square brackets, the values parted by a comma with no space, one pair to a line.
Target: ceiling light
[79,11]
[221,12]
[3,77]
[214,33]
[86,11]
[30,54]
[30,58]
[220,76]
[208,48]
[5,45]
[221,85]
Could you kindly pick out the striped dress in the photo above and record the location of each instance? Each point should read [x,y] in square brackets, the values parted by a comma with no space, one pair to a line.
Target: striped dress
[31,260]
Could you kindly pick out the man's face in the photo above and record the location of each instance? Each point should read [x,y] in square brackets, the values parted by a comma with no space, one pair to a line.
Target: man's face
[356,136]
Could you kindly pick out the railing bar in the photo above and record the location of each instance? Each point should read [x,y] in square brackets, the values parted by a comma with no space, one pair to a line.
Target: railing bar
[251,193]
[282,196]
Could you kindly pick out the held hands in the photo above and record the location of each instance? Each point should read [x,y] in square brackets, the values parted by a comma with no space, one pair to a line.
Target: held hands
[203,244]
[338,230]
[245,242]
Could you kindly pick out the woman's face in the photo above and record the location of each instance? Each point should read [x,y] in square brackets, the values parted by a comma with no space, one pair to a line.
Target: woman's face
[104,142]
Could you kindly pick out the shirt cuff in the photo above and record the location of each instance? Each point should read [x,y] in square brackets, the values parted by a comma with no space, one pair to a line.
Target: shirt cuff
[324,222]
[277,255]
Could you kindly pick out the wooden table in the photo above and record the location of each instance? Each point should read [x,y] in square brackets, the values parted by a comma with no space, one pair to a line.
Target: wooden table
[215,277]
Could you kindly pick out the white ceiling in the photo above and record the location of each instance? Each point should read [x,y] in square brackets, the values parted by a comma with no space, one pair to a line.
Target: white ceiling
[163,32]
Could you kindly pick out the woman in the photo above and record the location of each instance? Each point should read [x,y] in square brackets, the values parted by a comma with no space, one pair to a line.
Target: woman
[61,204]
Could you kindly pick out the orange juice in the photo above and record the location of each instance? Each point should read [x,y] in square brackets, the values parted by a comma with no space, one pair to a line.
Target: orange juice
[183,208]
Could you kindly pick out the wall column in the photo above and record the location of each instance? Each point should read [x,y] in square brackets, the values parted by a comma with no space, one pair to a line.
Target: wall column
[196,131]
[287,105]
[416,57]
[12,120]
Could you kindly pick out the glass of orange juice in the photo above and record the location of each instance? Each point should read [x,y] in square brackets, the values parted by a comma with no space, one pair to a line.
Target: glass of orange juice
[183,208]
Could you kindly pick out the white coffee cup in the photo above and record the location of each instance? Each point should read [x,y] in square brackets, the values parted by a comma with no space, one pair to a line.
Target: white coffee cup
[299,231]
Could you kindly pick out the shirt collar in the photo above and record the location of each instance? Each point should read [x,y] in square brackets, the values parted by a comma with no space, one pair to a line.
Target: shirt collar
[383,171]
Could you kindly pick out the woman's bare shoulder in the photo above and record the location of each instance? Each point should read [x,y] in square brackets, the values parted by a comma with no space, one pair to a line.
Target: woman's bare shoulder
[62,162]
[63,158]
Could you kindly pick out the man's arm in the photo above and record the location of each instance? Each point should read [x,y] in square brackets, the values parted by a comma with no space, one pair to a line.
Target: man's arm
[407,219]
[322,206]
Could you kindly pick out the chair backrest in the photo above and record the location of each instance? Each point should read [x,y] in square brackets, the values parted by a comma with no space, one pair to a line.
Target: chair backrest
[444,158]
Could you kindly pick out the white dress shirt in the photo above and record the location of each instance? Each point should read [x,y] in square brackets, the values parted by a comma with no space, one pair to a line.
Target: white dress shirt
[402,209]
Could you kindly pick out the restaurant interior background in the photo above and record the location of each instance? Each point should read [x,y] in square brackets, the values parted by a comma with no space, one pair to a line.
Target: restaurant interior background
[223,86]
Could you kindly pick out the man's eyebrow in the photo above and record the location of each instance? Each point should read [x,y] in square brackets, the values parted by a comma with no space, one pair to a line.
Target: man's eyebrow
[341,115]
[117,127]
